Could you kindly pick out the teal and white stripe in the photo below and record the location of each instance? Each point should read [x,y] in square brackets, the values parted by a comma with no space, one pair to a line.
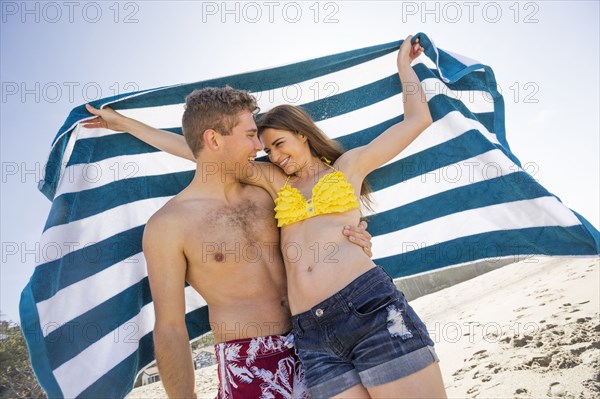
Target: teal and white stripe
[456,195]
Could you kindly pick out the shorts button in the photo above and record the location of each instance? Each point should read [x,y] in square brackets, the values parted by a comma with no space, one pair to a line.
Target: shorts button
[319,312]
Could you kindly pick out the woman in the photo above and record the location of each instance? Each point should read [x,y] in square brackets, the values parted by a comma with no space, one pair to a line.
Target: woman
[355,333]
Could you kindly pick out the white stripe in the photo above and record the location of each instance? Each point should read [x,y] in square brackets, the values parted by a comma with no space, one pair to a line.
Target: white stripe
[67,155]
[162,116]
[97,359]
[328,85]
[488,165]
[193,300]
[362,118]
[437,62]
[538,212]
[476,101]
[387,109]
[98,288]
[451,126]
[426,61]
[87,176]
[93,229]
[91,291]
[102,356]
[89,133]
[461,58]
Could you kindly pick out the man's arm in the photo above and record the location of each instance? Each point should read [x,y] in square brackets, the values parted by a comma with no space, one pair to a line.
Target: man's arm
[163,249]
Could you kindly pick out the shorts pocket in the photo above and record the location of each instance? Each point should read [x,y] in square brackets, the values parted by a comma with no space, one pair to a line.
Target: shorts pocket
[370,305]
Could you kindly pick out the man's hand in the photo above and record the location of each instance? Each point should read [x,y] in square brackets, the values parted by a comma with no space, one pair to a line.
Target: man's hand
[360,236]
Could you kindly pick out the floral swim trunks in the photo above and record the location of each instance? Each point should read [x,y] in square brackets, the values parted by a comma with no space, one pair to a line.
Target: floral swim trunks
[261,367]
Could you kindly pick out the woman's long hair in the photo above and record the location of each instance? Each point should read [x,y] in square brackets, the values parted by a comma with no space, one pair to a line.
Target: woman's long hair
[297,121]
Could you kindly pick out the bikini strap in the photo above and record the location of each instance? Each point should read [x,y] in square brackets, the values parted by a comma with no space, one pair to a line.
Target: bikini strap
[328,163]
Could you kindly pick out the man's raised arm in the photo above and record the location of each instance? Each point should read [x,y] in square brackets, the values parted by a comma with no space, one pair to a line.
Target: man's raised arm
[163,249]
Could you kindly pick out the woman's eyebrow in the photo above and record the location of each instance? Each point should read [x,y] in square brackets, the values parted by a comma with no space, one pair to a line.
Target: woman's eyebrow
[266,148]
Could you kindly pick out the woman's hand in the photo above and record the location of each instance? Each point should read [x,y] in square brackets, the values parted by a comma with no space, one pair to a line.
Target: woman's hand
[408,52]
[105,118]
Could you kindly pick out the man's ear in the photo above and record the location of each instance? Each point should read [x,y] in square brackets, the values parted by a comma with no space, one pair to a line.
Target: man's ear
[212,139]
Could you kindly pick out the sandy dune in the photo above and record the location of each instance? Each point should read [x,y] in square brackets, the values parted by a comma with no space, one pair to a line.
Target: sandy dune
[527,330]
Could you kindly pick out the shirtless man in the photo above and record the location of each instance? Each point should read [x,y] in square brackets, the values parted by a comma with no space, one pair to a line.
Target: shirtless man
[221,237]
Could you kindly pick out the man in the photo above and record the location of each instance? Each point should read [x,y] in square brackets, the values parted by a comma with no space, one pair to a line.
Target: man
[221,237]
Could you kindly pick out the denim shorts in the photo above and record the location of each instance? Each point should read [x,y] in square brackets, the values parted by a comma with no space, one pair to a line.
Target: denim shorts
[367,334]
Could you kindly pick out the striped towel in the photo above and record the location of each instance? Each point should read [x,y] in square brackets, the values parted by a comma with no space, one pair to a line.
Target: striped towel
[457,194]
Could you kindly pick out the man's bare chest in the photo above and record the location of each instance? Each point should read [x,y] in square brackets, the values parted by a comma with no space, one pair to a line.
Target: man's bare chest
[249,221]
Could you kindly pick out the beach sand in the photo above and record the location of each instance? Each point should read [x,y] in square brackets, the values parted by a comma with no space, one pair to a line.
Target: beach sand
[527,330]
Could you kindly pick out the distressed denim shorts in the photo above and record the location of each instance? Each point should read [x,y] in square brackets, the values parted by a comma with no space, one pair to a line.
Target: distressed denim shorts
[367,334]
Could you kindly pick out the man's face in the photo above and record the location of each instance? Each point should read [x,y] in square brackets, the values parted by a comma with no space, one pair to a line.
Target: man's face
[242,143]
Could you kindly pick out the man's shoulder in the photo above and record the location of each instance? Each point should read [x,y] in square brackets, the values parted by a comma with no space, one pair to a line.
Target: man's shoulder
[167,227]
[163,223]
[179,211]
[168,217]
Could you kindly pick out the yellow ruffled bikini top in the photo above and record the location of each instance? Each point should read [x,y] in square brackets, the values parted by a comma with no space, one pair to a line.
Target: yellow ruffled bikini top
[331,194]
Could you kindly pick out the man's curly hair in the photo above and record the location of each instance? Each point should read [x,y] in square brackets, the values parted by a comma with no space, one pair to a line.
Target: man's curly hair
[213,108]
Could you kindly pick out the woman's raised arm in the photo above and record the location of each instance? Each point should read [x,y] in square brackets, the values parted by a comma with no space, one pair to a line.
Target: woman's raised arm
[417,118]
[108,118]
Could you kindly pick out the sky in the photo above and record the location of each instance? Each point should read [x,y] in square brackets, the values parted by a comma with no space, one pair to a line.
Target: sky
[55,56]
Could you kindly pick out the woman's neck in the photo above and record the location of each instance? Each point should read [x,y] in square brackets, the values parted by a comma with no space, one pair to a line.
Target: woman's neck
[313,168]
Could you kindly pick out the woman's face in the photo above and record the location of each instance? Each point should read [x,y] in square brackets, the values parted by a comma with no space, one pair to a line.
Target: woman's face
[285,149]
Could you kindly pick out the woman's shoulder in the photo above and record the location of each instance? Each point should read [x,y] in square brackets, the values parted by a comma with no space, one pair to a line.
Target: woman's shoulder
[347,162]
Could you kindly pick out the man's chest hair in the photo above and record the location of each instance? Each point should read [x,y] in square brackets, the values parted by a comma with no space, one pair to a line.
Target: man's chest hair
[249,219]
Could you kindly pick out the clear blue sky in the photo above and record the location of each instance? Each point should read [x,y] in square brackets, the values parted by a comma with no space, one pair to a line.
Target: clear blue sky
[53,58]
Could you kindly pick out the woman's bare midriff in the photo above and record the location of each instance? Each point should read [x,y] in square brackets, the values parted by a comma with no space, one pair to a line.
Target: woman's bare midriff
[319,259]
